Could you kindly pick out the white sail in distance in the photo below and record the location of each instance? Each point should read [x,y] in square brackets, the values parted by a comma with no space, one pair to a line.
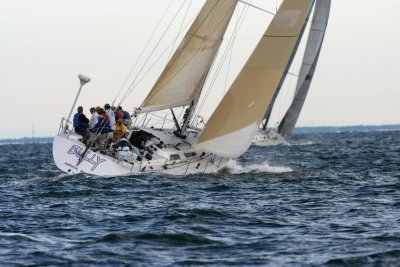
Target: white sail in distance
[183,77]
[310,60]
[232,126]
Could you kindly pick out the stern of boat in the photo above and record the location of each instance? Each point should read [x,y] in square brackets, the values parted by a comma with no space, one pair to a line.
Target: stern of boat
[67,154]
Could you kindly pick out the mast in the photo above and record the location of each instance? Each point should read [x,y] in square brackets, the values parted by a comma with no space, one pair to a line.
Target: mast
[310,60]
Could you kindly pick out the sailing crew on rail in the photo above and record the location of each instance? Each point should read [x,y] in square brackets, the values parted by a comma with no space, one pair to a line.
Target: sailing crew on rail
[81,124]
[119,129]
[127,116]
[118,113]
[102,130]
[110,114]
[93,117]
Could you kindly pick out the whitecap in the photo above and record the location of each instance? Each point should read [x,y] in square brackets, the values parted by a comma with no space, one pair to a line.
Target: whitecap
[235,168]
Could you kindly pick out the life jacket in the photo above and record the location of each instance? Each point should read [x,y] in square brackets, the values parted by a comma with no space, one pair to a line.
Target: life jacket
[119,129]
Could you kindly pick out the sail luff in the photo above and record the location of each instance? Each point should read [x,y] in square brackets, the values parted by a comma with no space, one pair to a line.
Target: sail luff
[310,60]
[230,129]
[180,81]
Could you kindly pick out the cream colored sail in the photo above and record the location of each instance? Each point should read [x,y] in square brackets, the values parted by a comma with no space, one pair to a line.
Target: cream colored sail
[231,128]
[183,77]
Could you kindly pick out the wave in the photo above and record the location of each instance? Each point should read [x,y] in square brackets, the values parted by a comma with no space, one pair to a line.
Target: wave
[170,238]
[384,258]
[302,143]
[52,240]
[235,168]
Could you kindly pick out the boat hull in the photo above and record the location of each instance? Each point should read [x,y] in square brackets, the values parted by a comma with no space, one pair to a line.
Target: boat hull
[67,154]
[268,138]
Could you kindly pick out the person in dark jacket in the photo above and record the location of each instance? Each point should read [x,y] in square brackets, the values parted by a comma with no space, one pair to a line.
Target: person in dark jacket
[81,124]
[126,116]
[140,141]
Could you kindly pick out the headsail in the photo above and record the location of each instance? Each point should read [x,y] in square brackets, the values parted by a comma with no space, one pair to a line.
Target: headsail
[183,77]
[313,48]
[231,128]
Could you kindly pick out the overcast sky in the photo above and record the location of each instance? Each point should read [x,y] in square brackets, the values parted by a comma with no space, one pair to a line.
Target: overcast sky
[45,44]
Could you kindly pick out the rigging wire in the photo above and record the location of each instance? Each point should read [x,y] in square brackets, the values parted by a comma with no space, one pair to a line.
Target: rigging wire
[229,46]
[142,52]
[133,86]
[256,7]
[130,88]
[170,44]
[188,41]
[179,31]
[230,56]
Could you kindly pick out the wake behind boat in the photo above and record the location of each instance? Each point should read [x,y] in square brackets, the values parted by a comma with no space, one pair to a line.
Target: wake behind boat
[228,133]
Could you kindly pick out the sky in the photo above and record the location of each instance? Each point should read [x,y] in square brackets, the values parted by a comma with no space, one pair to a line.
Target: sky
[45,44]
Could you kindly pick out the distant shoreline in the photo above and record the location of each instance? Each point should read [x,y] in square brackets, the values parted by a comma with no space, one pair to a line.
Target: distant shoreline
[353,128]
[297,130]
[26,140]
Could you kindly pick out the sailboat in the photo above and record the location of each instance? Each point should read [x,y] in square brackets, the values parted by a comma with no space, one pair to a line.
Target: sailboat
[229,131]
[311,54]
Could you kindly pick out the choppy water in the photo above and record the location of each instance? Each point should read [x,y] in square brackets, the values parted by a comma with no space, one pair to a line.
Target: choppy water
[324,200]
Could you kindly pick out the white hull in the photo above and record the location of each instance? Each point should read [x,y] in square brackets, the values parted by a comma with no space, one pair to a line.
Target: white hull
[67,151]
[268,138]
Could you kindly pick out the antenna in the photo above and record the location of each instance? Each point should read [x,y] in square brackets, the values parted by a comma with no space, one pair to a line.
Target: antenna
[83,80]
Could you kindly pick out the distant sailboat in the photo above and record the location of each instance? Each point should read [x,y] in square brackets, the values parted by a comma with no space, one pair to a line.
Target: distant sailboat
[230,130]
[312,51]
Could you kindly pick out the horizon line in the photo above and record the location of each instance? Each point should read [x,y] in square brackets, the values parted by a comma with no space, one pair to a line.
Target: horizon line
[299,127]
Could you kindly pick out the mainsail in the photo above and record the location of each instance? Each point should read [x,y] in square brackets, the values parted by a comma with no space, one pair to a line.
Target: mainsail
[183,77]
[313,48]
[231,127]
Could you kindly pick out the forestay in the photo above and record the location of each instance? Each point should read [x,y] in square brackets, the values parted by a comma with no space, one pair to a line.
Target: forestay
[231,127]
[183,77]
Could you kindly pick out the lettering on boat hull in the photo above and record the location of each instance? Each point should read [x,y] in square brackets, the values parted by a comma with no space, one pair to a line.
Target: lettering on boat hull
[91,158]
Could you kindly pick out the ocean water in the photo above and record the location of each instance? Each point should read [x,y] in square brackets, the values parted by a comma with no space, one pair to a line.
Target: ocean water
[324,200]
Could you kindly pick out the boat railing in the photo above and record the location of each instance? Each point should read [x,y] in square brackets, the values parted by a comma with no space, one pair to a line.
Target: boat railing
[64,126]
